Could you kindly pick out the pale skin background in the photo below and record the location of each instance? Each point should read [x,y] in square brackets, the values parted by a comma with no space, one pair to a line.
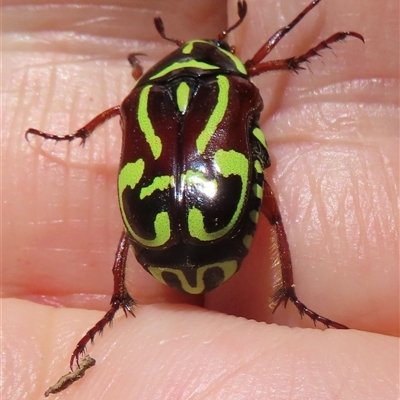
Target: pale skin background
[333,137]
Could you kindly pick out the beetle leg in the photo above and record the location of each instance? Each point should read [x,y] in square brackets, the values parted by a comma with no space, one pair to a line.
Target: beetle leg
[285,290]
[82,133]
[254,65]
[294,63]
[270,44]
[120,298]
[137,69]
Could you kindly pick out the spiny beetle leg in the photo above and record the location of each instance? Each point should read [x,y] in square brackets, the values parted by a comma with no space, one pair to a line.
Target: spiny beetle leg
[270,44]
[120,298]
[285,290]
[254,65]
[294,63]
[82,133]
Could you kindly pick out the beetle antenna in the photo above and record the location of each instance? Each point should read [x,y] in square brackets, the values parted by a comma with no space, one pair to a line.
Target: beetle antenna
[242,11]
[158,22]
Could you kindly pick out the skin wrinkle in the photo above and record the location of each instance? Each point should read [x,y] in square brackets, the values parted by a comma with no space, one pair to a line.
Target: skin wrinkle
[306,96]
[52,78]
[248,363]
[388,179]
[309,207]
[242,367]
[366,208]
[331,126]
[315,207]
[359,218]
[352,197]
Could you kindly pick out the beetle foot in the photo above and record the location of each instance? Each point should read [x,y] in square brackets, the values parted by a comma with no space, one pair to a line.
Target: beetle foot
[125,301]
[283,295]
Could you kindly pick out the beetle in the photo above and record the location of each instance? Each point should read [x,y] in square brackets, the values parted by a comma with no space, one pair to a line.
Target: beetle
[191,183]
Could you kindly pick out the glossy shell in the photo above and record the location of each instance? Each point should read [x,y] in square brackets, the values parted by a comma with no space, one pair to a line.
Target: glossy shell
[191,176]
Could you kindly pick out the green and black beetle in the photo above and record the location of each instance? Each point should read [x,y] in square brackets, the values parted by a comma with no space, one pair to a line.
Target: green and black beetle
[191,181]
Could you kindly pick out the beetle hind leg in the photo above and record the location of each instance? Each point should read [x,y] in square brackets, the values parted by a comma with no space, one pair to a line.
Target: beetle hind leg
[285,288]
[120,299]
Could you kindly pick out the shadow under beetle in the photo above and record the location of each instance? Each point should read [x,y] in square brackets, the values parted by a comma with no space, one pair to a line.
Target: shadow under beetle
[191,183]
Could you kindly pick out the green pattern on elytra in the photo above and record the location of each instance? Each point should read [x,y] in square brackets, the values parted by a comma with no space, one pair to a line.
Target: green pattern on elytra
[188,48]
[159,183]
[198,180]
[257,190]
[247,241]
[239,65]
[217,114]
[229,268]
[182,96]
[184,64]
[129,177]
[254,216]
[257,132]
[258,167]
[145,123]
[229,163]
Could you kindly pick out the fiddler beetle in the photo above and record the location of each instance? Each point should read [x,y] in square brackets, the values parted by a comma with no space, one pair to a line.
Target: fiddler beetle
[191,183]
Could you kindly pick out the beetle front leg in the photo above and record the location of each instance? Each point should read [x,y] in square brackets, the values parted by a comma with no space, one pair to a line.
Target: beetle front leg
[120,298]
[294,63]
[285,290]
[82,133]
[255,66]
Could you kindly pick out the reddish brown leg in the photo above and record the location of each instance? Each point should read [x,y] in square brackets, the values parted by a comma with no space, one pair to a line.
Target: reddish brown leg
[286,290]
[269,45]
[293,63]
[255,67]
[120,298]
[82,133]
[137,69]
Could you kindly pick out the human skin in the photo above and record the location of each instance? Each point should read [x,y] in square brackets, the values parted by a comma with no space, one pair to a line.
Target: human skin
[333,139]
